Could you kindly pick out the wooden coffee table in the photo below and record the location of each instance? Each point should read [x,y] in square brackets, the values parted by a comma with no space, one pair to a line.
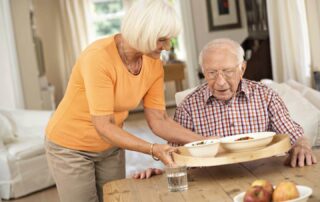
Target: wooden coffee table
[216,183]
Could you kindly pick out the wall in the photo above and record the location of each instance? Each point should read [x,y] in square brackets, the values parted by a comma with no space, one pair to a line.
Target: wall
[200,20]
[48,28]
[26,53]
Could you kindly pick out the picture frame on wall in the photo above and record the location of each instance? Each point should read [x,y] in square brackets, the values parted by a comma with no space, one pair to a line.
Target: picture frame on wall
[223,14]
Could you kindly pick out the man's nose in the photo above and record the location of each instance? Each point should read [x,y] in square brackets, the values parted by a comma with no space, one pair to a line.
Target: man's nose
[220,80]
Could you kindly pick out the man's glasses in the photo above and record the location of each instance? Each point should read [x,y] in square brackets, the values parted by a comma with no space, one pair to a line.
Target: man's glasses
[227,73]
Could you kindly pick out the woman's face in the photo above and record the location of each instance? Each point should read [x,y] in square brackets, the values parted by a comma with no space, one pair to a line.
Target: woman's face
[163,43]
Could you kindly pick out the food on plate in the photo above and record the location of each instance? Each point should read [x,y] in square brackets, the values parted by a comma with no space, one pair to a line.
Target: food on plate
[244,138]
[198,143]
[284,191]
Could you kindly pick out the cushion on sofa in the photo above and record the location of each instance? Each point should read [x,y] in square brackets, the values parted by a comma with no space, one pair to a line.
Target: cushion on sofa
[310,94]
[6,130]
[300,109]
[179,97]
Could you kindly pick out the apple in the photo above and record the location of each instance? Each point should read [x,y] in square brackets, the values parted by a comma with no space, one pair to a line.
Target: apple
[284,191]
[257,194]
[265,184]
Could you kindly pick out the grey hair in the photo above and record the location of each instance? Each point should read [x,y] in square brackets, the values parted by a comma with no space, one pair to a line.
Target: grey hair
[147,21]
[222,44]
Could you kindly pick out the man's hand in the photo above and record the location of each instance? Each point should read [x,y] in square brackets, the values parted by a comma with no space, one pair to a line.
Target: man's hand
[147,173]
[301,154]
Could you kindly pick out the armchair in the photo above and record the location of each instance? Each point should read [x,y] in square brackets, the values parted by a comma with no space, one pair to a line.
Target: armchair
[23,165]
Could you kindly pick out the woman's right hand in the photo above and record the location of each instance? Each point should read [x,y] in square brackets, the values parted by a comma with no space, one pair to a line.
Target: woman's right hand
[164,153]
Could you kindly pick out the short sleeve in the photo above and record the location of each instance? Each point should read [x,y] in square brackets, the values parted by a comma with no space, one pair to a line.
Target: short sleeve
[99,78]
[281,122]
[154,97]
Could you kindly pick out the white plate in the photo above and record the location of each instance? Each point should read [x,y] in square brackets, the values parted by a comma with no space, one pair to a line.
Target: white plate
[304,193]
[203,148]
[260,140]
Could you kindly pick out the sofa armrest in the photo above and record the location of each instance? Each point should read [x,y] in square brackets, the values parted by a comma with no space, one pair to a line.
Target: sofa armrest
[28,122]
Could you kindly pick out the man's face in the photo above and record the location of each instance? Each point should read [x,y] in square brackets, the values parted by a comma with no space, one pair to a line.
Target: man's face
[223,72]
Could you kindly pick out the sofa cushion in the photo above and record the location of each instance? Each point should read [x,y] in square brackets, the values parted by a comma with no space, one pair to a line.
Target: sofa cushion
[23,148]
[6,131]
[300,109]
[310,94]
[181,95]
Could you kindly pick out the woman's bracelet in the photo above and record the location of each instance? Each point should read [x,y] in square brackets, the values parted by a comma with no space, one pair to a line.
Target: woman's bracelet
[151,152]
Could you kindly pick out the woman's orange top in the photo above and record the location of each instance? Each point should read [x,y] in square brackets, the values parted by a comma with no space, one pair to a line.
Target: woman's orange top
[100,84]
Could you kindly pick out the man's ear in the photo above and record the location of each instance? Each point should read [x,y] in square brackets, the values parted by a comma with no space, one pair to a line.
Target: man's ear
[243,67]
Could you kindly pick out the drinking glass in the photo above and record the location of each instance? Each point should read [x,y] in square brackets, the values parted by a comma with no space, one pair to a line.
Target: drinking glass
[177,178]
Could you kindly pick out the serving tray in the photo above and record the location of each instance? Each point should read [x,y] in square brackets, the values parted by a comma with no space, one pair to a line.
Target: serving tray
[280,144]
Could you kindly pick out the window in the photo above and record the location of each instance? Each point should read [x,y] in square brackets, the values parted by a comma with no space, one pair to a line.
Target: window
[105,17]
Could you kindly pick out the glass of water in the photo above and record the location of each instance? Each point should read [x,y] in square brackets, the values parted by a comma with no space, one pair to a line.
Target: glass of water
[177,178]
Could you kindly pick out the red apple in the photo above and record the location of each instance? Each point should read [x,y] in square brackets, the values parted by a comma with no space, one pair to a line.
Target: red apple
[265,184]
[284,191]
[257,194]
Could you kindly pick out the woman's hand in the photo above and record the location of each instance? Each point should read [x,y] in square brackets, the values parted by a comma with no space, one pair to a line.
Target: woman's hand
[164,153]
[147,173]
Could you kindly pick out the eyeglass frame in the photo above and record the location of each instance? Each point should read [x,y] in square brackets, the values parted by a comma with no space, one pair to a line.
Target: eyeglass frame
[230,70]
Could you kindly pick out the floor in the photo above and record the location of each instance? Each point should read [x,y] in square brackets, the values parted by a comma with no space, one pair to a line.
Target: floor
[136,125]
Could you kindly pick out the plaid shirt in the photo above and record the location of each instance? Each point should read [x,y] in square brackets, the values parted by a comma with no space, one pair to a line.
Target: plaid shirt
[254,108]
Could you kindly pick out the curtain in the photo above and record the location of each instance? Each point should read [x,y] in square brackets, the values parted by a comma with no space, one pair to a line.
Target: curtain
[11,90]
[289,40]
[74,26]
[313,16]
[189,43]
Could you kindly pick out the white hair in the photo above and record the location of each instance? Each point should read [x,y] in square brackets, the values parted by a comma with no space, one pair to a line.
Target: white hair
[147,21]
[222,44]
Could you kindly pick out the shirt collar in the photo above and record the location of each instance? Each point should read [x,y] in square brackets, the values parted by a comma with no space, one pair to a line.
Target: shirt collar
[242,89]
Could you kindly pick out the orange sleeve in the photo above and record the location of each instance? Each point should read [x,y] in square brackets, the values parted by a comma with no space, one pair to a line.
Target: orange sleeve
[98,77]
[154,97]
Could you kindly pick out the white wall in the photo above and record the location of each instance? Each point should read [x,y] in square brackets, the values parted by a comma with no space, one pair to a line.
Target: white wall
[48,28]
[200,20]
[10,86]
[26,53]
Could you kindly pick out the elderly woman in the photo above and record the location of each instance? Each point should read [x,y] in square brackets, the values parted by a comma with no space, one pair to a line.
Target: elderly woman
[85,136]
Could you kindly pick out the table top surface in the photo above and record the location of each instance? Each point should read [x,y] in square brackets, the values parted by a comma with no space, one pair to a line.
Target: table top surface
[216,183]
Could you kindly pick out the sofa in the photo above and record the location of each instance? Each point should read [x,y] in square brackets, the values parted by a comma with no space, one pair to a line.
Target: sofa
[23,165]
[303,104]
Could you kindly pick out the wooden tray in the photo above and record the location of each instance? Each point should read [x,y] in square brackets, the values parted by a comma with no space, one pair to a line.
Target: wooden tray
[280,144]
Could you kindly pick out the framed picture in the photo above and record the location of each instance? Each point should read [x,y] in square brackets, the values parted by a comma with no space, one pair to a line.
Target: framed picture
[223,14]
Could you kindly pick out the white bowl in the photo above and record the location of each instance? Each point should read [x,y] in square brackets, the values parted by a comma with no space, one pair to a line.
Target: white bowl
[260,140]
[203,148]
[304,193]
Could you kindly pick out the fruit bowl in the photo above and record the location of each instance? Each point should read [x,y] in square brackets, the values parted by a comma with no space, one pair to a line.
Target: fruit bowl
[246,142]
[203,148]
[304,193]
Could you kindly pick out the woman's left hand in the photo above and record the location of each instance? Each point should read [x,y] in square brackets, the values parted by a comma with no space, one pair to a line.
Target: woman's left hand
[147,173]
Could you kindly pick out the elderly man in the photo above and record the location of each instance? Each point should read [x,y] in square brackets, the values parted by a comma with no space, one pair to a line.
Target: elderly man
[227,104]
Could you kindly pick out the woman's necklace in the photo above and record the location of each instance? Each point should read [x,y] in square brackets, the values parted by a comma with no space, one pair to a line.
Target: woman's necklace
[134,67]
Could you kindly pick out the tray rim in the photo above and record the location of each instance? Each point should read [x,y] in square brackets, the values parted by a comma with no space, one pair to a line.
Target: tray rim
[279,145]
